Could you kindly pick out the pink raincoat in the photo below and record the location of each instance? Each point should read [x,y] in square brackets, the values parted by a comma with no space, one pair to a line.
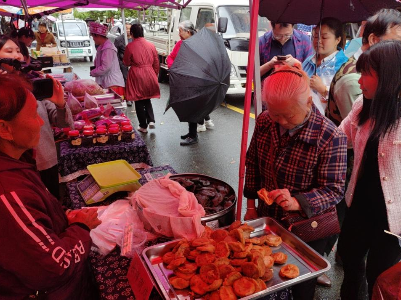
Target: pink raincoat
[142,81]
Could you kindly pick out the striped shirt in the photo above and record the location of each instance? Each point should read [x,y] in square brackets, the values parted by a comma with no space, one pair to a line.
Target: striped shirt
[312,165]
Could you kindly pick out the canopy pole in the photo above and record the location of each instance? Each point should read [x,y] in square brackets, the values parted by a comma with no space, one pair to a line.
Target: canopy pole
[247,103]
[257,87]
[124,27]
[25,6]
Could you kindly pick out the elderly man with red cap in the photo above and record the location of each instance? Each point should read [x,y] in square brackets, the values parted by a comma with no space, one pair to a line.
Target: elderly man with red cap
[107,69]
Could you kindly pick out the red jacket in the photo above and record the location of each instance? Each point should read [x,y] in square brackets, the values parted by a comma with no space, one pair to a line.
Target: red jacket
[142,83]
[39,251]
[173,54]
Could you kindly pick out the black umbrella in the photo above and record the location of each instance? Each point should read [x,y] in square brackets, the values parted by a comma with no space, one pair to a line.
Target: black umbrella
[199,76]
[311,11]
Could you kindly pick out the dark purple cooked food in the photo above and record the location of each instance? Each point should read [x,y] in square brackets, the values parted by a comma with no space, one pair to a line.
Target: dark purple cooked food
[213,196]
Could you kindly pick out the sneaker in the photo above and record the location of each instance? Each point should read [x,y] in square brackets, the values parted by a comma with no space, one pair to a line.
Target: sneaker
[183,137]
[201,128]
[143,130]
[189,141]
[209,124]
[152,125]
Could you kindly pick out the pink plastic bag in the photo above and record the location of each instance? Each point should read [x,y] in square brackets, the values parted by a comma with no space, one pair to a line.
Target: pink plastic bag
[90,102]
[81,86]
[170,209]
[74,104]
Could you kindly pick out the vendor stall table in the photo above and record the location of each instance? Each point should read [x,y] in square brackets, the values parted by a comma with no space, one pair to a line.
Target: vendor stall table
[73,161]
[111,271]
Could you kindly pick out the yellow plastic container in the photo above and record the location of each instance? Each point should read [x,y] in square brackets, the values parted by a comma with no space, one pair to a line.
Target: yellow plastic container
[109,178]
[113,173]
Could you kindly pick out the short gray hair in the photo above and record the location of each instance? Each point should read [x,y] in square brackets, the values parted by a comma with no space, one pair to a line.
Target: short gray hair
[187,26]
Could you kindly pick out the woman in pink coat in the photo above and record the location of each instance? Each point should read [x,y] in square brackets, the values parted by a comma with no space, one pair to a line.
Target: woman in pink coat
[142,85]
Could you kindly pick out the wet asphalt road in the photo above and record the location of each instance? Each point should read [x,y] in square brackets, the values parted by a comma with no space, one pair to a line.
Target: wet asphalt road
[217,154]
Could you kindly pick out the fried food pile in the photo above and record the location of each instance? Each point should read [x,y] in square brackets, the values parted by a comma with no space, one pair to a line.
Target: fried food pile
[213,196]
[226,264]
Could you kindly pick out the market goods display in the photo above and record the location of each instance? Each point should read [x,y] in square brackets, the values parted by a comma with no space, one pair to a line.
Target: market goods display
[81,86]
[213,196]
[226,263]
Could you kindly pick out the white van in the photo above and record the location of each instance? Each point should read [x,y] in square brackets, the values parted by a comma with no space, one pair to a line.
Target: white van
[77,36]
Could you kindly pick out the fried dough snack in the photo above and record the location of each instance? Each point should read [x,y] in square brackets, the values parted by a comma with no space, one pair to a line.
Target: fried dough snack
[186,276]
[188,268]
[238,262]
[273,240]
[200,242]
[268,275]
[205,258]
[249,269]
[179,283]
[238,234]
[206,248]
[219,235]
[261,285]
[236,246]
[268,261]
[209,273]
[258,261]
[222,261]
[227,293]
[176,263]
[231,277]
[168,257]
[213,296]
[244,287]
[234,225]
[192,255]
[198,286]
[263,194]
[289,271]
[224,270]
[279,258]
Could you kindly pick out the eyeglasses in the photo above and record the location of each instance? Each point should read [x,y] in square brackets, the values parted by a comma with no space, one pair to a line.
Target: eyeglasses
[282,36]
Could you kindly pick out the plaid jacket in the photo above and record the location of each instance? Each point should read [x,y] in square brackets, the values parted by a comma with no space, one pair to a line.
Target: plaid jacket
[312,166]
[302,43]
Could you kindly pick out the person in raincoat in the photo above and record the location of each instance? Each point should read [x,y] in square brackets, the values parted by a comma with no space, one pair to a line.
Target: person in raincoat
[107,70]
[142,84]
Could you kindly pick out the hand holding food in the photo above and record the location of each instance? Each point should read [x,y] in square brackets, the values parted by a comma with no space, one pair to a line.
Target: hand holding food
[283,198]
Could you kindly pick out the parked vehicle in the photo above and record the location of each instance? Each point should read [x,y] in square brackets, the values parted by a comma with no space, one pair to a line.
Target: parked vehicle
[208,12]
[76,38]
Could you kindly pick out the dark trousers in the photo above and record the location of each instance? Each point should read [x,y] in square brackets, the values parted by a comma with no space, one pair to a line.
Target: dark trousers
[358,240]
[306,289]
[144,112]
[207,118]
[192,130]
[50,179]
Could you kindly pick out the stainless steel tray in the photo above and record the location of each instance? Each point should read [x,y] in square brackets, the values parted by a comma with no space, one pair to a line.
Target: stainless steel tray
[310,263]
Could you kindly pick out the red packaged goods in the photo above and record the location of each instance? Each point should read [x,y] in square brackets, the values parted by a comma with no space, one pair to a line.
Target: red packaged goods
[81,86]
